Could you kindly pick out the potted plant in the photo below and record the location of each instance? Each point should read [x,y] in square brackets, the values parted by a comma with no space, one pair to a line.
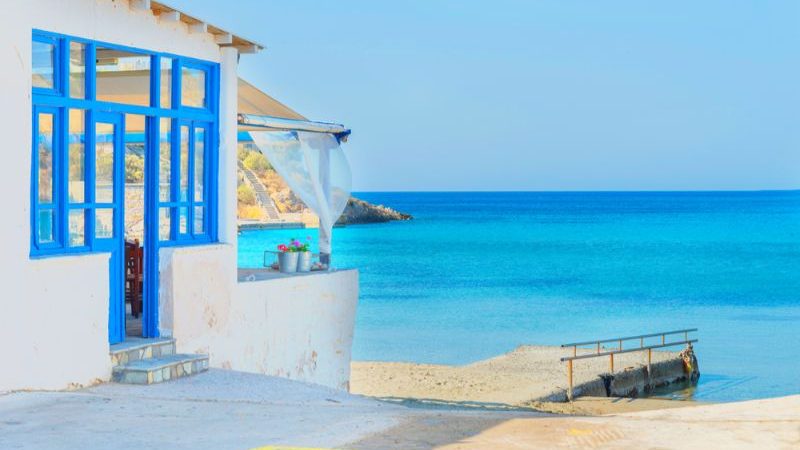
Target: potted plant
[303,254]
[287,259]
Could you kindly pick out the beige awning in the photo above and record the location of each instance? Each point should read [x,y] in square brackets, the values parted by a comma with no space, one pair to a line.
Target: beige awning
[255,102]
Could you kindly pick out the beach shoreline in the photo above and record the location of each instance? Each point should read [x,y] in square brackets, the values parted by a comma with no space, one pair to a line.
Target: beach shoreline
[529,377]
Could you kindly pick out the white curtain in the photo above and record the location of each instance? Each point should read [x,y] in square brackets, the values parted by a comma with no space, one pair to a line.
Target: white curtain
[316,170]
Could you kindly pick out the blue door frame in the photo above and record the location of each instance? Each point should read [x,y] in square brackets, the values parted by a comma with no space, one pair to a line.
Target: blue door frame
[115,244]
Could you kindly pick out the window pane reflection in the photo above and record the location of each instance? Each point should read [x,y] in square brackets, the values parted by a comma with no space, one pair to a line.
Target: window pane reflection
[43,57]
[199,160]
[45,225]
[77,156]
[77,225]
[164,224]
[123,77]
[184,164]
[45,158]
[199,222]
[104,163]
[183,220]
[164,160]
[166,83]
[104,223]
[193,87]
[77,70]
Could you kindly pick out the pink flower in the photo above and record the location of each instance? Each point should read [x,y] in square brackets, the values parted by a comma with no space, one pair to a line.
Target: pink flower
[282,248]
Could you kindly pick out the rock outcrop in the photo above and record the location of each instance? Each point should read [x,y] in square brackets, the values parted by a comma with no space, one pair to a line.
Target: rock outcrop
[358,211]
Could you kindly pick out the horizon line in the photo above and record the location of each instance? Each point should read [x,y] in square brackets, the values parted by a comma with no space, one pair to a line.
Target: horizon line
[643,191]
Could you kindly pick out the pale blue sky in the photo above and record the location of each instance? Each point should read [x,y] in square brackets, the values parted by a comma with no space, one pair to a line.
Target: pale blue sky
[538,95]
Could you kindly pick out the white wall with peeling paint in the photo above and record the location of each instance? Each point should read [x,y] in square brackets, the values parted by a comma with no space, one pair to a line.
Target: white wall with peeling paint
[297,327]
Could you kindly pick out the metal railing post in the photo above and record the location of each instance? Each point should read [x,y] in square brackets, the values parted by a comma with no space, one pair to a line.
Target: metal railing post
[569,376]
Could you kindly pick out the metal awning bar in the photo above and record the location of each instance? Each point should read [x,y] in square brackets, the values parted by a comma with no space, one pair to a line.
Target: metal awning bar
[282,124]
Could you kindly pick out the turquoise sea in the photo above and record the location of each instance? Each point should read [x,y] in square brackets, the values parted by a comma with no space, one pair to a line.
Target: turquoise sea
[476,274]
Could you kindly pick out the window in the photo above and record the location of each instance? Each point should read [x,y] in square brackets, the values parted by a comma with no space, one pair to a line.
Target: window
[43,62]
[44,146]
[77,70]
[166,82]
[76,155]
[123,76]
[193,87]
[190,184]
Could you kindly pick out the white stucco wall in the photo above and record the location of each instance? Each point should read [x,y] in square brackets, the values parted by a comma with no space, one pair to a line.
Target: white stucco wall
[298,327]
[53,326]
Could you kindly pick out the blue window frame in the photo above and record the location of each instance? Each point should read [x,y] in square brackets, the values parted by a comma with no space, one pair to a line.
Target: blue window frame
[63,222]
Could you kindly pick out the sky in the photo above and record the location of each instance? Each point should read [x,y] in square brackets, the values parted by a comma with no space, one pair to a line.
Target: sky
[545,95]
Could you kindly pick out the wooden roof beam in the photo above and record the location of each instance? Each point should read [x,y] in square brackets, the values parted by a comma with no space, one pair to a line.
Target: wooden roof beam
[141,5]
[199,28]
[169,17]
[223,39]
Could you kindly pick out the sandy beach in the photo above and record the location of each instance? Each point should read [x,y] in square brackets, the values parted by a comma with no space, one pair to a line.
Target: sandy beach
[525,377]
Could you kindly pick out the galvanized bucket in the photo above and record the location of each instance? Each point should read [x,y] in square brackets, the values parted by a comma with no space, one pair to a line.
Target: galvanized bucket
[287,262]
[304,262]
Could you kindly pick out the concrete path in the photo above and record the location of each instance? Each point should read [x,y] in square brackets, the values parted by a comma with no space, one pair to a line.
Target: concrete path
[214,410]
[231,410]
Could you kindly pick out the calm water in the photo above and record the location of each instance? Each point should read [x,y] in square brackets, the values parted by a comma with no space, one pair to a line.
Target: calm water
[476,274]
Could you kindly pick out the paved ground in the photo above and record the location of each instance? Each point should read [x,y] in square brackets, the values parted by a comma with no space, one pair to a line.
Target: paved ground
[230,410]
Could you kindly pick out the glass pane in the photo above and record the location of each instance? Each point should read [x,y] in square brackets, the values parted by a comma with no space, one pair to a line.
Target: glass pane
[166,82]
[45,157]
[77,156]
[164,223]
[193,87]
[77,70]
[184,164]
[199,160]
[199,223]
[164,161]
[45,232]
[123,77]
[77,225]
[104,163]
[134,177]
[183,220]
[43,58]
[104,223]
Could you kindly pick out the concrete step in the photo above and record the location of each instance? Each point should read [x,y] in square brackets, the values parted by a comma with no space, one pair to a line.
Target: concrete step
[137,349]
[157,370]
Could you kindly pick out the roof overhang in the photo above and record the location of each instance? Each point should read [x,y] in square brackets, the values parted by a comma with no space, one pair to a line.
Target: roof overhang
[166,13]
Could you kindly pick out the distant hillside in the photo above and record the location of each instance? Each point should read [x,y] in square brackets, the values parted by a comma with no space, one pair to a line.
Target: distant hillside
[287,204]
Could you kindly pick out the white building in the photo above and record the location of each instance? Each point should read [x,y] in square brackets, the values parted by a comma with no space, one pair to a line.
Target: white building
[83,81]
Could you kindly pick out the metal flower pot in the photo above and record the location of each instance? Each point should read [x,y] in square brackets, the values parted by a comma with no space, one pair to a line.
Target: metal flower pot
[287,262]
[304,262]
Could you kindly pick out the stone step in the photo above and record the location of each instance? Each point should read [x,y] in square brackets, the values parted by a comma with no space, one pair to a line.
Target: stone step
[137,349]
[157,370]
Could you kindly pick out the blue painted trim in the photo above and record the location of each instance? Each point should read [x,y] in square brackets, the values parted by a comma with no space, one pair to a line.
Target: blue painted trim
[57,101]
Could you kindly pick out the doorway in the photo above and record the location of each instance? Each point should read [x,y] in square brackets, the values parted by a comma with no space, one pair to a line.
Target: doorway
[108,156]
[135,212]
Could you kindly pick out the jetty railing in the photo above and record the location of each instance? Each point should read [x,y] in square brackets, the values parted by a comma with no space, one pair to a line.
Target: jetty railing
[601,351]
